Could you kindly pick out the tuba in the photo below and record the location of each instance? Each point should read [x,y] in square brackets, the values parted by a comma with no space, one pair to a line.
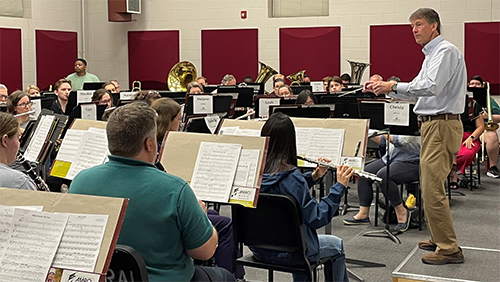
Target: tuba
[490,124]
[296,78]
[357,70]
[265,73]
[134,87]
[180,76]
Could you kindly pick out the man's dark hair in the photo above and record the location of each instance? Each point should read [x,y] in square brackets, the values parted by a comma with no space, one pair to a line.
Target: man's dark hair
[478,78]
[345,77]
[82,60]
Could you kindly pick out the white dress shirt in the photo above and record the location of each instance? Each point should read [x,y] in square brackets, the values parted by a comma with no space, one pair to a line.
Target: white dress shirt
[441,84]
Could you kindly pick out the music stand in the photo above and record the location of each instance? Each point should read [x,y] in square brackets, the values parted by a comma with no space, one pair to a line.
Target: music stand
[283,101]
[345,107]
[258,88]
[179,97]
[245,94]
[93,85]
[374,111]
[296,89]
[302,111]
[77,113]
[480,95]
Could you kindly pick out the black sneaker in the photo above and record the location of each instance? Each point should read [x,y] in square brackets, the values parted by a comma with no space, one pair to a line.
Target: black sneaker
[493,172]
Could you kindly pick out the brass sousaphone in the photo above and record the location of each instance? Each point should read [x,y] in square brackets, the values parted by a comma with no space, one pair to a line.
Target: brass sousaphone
[180,76]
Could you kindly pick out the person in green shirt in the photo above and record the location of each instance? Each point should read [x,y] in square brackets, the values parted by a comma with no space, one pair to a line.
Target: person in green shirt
[80,76]
[164,221]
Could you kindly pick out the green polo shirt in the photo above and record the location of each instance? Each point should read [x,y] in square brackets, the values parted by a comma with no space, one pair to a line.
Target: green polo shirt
[163,218]
[77,81]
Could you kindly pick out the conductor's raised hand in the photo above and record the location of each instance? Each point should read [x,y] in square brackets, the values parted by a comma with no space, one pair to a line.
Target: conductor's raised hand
[344,173]
[368,86]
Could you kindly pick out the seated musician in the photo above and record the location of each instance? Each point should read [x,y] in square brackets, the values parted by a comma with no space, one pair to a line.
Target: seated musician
[9,135]
[470,143]
[194,88]
[277,85]
[4,93]
[117,85]
[169,119]
[335,84]
[19,103]
[228,79]
[285,91]
[404,168]
[147,96]
[33,91]
[326,83]
[164,221]
[281,176]
[202,80]
[346,78]
[102,97]
[62,88]
[110,86]
[306,97]
[490,137]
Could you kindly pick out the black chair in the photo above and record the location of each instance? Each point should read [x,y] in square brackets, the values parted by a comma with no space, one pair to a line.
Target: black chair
[127,265]
[276,224]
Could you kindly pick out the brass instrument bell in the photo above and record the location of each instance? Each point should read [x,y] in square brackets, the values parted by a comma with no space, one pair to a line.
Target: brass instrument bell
[136,86]
[296,78]
[180,76]
[490,125]
[357,70]
[265,73]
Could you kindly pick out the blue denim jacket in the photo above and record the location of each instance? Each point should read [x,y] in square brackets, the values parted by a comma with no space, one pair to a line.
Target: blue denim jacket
[314,214]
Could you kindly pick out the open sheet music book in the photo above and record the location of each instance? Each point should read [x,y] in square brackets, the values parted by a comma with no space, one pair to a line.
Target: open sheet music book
[32,241]
[319,143]
[80,149]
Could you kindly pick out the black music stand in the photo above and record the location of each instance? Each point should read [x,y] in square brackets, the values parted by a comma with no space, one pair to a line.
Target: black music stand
[345,107]
[315,111]
[373,110]
[93,85]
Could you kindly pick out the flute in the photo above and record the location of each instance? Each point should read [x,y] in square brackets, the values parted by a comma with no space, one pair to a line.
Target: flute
[357,172]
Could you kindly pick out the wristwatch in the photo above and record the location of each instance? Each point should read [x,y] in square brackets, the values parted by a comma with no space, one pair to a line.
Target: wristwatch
[472,137]
[395,88]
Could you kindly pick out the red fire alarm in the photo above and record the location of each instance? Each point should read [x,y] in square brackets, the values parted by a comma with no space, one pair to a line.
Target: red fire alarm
[243,14]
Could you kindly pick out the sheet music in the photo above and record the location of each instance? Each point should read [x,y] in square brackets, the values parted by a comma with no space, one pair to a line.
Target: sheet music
[215,170]
[247,168]
[70,144]
[248,132]
[81,242]
[38,140]
[6,214]
[212,121]
[92,151]
[228,130]
[31,246]
[37,107]
[326,143]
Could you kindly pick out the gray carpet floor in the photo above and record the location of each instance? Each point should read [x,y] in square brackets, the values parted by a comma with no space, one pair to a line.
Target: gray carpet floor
[476,218]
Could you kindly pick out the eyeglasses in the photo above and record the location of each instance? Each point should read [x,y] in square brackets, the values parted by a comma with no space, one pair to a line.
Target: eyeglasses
[25,105]
[4,96]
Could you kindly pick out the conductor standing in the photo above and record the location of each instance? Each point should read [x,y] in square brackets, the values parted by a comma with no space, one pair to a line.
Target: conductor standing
[440,89]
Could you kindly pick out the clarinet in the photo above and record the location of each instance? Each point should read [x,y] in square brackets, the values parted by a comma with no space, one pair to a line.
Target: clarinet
[30,171]
[357,172]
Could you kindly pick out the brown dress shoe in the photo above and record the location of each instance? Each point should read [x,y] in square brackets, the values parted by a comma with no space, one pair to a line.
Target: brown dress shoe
[427,245]
[437,259]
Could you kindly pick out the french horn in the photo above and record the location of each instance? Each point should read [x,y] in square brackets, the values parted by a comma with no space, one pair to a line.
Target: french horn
[296,78]
[180,76]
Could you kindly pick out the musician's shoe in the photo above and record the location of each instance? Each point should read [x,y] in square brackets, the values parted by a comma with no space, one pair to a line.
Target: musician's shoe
[493,172]
[438,259]
[427,245]
[353,221]
[402,227]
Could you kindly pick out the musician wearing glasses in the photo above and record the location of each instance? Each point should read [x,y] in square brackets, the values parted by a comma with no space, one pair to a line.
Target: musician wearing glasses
[62,88]
[9,146]
[440,90]
[490,136]
[19,105]
[4,94]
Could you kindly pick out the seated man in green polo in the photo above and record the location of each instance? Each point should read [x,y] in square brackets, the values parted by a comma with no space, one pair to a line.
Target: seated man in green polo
[164,221]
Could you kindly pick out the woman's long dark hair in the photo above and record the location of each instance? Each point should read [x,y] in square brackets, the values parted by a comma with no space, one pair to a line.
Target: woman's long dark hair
[282,152]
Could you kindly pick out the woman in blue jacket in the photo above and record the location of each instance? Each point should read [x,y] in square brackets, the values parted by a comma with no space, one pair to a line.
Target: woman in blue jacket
[281,176]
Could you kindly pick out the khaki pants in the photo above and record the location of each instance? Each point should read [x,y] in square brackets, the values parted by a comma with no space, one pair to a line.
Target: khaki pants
[441,139]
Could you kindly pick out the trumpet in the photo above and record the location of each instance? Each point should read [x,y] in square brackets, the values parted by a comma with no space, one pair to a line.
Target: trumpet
[490,124]
[357,172]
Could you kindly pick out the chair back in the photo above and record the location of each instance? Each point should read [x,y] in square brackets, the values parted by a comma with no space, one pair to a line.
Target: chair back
[275,224]
[127,265]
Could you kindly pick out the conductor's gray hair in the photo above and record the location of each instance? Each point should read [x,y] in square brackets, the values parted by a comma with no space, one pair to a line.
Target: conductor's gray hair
[428,14]
[128,127]
[4,87]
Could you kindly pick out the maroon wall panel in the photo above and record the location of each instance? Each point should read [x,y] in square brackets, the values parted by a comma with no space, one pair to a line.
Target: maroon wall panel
[229,51]
[482,52]
[393,51]
[314,49]
[56,52]
[151,55]
[11,73]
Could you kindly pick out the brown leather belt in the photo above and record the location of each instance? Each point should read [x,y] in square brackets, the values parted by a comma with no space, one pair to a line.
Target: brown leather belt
[440,117]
